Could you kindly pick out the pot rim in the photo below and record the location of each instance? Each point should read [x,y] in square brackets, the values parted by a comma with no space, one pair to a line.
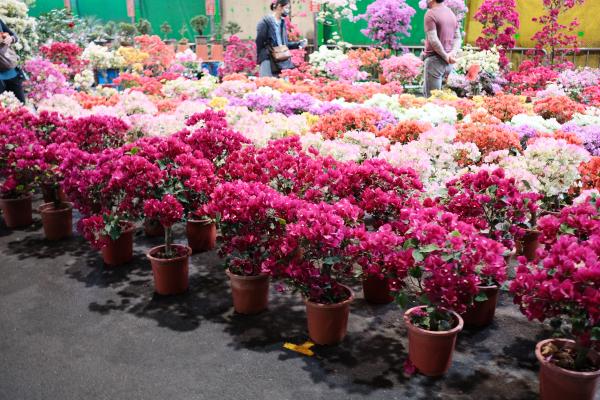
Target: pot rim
[349,300]
[42,209]
[261,276]
[556,368]
[129,227]
[183,257]
[201,222]
[28,197]
[491,287]
[454,331]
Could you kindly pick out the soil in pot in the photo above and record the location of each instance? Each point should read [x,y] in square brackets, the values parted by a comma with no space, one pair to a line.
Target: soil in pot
[120,251]
[559,383]
[17,212]
[328,323]
[250,293]
[481,313]
[201,235]
[57,220]
[171,274]
[431,351]
[376,290]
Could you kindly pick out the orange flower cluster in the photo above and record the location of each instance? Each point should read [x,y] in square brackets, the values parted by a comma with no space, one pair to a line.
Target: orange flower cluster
[166,105]
[569,137]
[504,106]
[483,117]
[488,138]
[335,125]
[161,55]
[590,174]
[235,77]
[560,107]
[405,131]
[88,101]
[369,57]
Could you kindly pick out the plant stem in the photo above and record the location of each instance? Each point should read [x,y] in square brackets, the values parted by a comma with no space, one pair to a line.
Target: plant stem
[581,358]
[168,241]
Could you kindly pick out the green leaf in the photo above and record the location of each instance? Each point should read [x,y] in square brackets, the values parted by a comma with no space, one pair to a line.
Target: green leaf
[410,244]
[134,151]
[455,234]
[417,256]
[481,297]
[596,333]
[429,248]
[564,228]
[415,272]
[402,299]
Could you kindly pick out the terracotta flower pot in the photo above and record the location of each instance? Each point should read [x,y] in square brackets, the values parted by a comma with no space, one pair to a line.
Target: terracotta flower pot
[120,251]
[529,244]
[557,383]
[17,212]
[49,194]
[250,293]
[171,276]
[431,352]
[376,290]
[481,313]
[57,222]
[153,228]
[201,235]
[328,323]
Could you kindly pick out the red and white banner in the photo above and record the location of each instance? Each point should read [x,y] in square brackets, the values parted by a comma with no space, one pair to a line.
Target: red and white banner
[314,7]
[131,8]
[68,4]
[210,7]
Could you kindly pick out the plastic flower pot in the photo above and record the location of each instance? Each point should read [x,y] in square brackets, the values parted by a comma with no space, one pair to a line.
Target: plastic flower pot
[529,244]
[431,352]
[201,235]
[120,251]
[57,220]
[557,383]
[376,290]
[328,323]
[17,212]
[171,275]
[481,313]
[250,293]
[153,228]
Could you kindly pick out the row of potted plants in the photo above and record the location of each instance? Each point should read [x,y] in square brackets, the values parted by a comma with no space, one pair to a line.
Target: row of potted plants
[316,224]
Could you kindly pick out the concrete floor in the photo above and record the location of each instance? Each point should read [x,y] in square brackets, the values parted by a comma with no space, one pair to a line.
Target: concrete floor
[70,329]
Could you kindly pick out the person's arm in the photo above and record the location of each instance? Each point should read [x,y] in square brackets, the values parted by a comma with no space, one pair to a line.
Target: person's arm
[9,31]
[457,42]
[261,37]
[436,45]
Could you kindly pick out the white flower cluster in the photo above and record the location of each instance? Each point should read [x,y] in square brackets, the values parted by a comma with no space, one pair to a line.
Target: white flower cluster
[488,60]
[190,88]
[536,122]
[14,13]
[336,9]
[433,113]
[9,101]
[100,57]
[84,80]
[320,59]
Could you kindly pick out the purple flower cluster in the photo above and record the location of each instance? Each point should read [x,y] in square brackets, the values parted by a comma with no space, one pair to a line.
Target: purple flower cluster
[387,20]
[295,103]
[325,108]
[590,135]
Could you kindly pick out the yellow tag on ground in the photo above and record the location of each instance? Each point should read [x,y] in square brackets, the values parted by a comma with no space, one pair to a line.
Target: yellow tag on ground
[302,349]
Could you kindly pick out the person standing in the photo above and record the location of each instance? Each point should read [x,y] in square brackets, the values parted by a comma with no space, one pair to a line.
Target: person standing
[443,41]
[12,79]
[272,32]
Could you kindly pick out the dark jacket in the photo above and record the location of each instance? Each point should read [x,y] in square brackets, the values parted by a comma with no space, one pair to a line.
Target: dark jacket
[266,38]
[4,28]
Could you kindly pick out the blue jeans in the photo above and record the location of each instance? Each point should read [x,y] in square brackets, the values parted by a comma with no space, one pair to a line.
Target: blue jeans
[436,71]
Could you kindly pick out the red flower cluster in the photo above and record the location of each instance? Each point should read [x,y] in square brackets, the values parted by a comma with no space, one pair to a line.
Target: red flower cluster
[504,106]
[530,78]
[167,211]
[488,138]
[335,125]
[562,108]
[67,54]
[492,204]
[405,131]
[590,174]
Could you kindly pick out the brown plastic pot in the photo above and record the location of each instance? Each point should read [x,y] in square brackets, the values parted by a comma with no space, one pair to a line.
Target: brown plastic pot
[557,383]
[120,251]
[250,293]
[153,228]
[171,276]
[328,323]
[17,212]
[201,235]
[529,244]
[481,313]
[376,290]
[49,194]
[431,352]
[57,221]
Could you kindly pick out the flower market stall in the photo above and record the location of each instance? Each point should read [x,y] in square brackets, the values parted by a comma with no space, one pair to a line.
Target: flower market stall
[333,193]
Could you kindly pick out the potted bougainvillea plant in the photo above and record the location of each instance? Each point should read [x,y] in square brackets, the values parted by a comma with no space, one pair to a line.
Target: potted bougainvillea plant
[252,218]
[450,257]
[170,262]
[562,286]
[494,205]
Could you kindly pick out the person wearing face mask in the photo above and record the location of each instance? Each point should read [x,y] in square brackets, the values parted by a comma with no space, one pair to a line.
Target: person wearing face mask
[271,32]
[12,79]
[443,41]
